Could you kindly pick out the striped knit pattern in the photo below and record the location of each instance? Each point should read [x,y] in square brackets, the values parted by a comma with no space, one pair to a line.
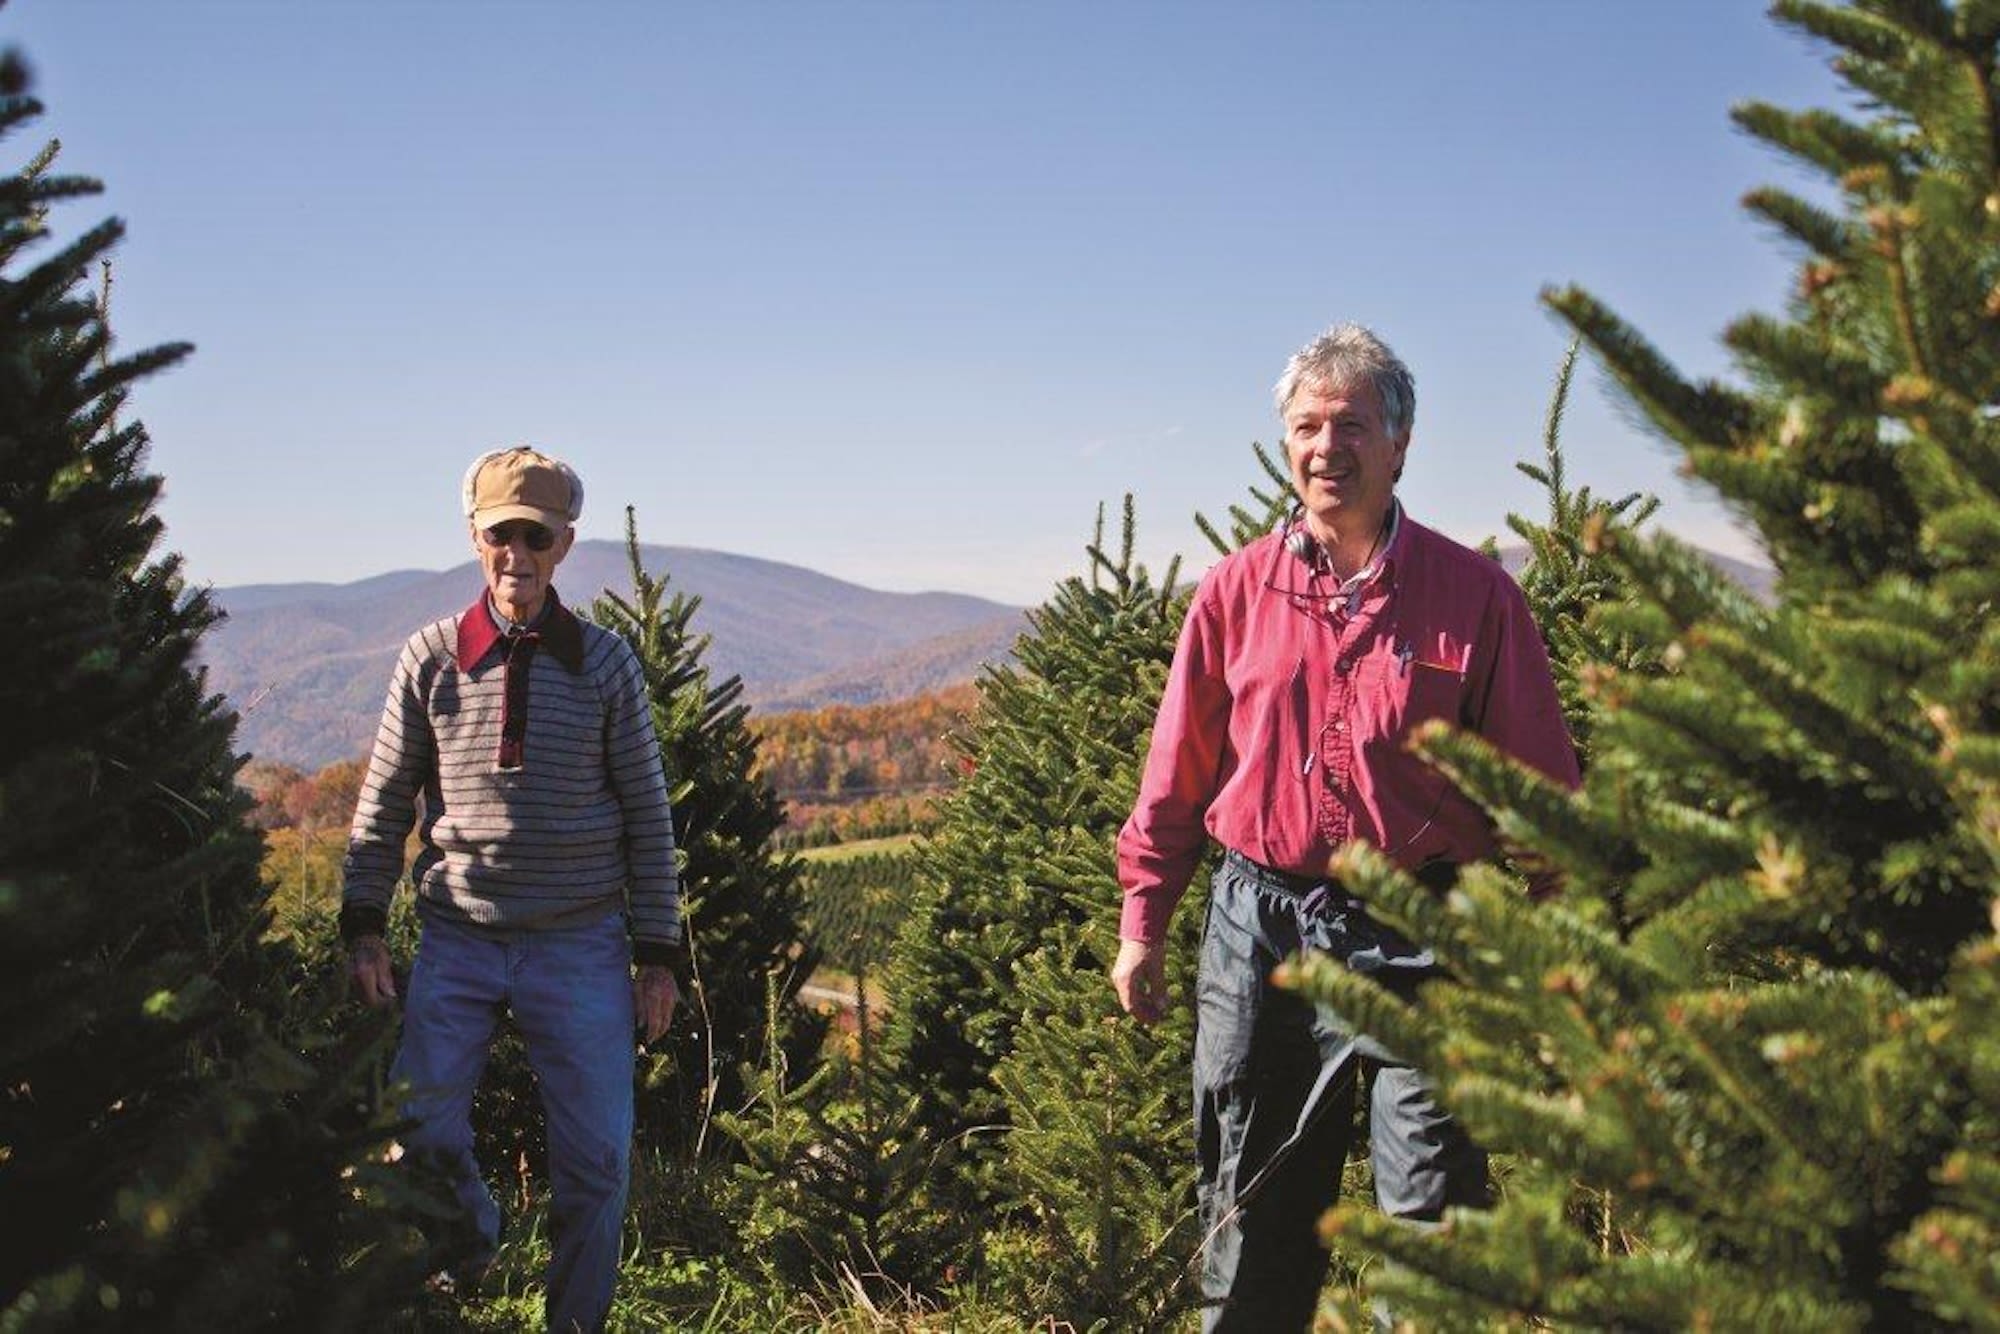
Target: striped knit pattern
[581,830]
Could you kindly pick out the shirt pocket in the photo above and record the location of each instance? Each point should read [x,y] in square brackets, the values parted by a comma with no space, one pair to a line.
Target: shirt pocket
[1436,691]
[1401,694]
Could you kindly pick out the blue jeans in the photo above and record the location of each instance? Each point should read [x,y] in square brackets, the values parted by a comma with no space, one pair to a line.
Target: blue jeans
[570,993]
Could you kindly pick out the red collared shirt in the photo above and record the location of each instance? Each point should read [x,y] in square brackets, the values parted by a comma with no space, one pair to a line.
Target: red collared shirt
[1282,728]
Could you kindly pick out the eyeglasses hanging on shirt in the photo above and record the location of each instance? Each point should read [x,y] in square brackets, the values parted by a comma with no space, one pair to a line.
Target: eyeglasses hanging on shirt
[1345,599]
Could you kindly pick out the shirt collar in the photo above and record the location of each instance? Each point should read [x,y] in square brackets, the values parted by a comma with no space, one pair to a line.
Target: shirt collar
[557,629]
[1385,555]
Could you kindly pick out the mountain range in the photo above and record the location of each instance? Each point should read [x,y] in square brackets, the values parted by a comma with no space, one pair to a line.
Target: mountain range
[306,665]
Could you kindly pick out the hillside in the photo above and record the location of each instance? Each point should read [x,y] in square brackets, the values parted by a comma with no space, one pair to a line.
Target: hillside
[1757,580]
[931,665]
[306,664]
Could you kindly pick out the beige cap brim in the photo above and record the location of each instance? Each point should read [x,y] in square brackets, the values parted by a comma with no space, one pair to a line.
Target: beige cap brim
[553,520]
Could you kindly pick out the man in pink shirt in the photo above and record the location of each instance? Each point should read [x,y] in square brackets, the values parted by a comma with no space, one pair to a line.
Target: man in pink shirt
[1306,660]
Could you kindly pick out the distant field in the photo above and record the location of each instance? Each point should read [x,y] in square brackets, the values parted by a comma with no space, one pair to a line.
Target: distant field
[840,852]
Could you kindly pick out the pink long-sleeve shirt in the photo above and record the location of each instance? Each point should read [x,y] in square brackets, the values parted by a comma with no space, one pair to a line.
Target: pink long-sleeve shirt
[1282,729]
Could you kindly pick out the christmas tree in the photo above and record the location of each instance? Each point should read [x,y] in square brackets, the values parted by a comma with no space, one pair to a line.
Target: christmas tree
[1055,733]
[836,1168]
[169,1158]
[1749,1060]
[740,897]
[1565,580]
[1020,863]
[1063,1117]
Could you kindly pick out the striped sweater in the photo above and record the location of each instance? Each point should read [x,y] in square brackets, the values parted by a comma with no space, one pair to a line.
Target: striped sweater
[544,804]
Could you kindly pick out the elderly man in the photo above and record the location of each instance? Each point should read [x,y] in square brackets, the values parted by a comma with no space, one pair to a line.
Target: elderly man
[1305,661]
[546,870]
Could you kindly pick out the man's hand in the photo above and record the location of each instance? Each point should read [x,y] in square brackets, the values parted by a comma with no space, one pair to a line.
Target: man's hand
[654,995]
[1140,978]
[368,967]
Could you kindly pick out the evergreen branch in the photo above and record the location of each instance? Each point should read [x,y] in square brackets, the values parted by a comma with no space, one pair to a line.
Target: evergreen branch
[1973,450]
[1531,812]
[55,275]
[1680,1291]
[1703,1023]
[1689,847]
[1905,650]
[15,108]
[1970,1181]
[1694,415]
[1855,30]
[1558,402]
[1978,22]
[1810,359]
[1898,765]
[1397,898]
[1976,61]
[1679,581]
[31,190]
[1927,20]
[1274,472]
[1937,1260]
[1893,238]
[1208,530]
[1524,949]
[1247,524]
[1777,1041]
[1974,587]
[1833,144]
[127,369]
[1488,934]
[1554,1128]
[1490,1286]
[1701,726]
[35,193]
[1170,591]
[1363,1005]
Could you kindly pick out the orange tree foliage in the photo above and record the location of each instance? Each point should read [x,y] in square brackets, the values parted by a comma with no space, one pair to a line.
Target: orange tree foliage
[284,797]
[850,751]
[306,817]
[846,772]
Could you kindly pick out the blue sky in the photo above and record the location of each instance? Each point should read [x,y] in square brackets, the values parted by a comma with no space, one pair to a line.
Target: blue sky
[898,291]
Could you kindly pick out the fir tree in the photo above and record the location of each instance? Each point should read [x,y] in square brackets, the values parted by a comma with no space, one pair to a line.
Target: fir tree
[836,1166]
[740,902]
[167,1160]
[1564,579]
[1764,1091]
[1052,757]
[1103,1231]
[1065,1115]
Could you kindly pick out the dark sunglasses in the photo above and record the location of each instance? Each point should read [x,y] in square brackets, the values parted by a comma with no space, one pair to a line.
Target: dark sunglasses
[501,535]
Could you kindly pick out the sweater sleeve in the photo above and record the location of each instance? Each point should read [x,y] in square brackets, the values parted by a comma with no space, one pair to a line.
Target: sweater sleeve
[386,810]
[632,760]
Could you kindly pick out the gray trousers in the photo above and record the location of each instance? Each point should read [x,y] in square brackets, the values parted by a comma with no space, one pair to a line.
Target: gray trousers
[1275,1080]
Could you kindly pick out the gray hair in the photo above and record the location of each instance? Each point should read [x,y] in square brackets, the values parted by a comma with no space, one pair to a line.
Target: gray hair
[1347,355]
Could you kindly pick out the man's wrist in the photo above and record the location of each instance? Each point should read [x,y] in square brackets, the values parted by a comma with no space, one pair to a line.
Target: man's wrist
[669,954]
[362,919]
